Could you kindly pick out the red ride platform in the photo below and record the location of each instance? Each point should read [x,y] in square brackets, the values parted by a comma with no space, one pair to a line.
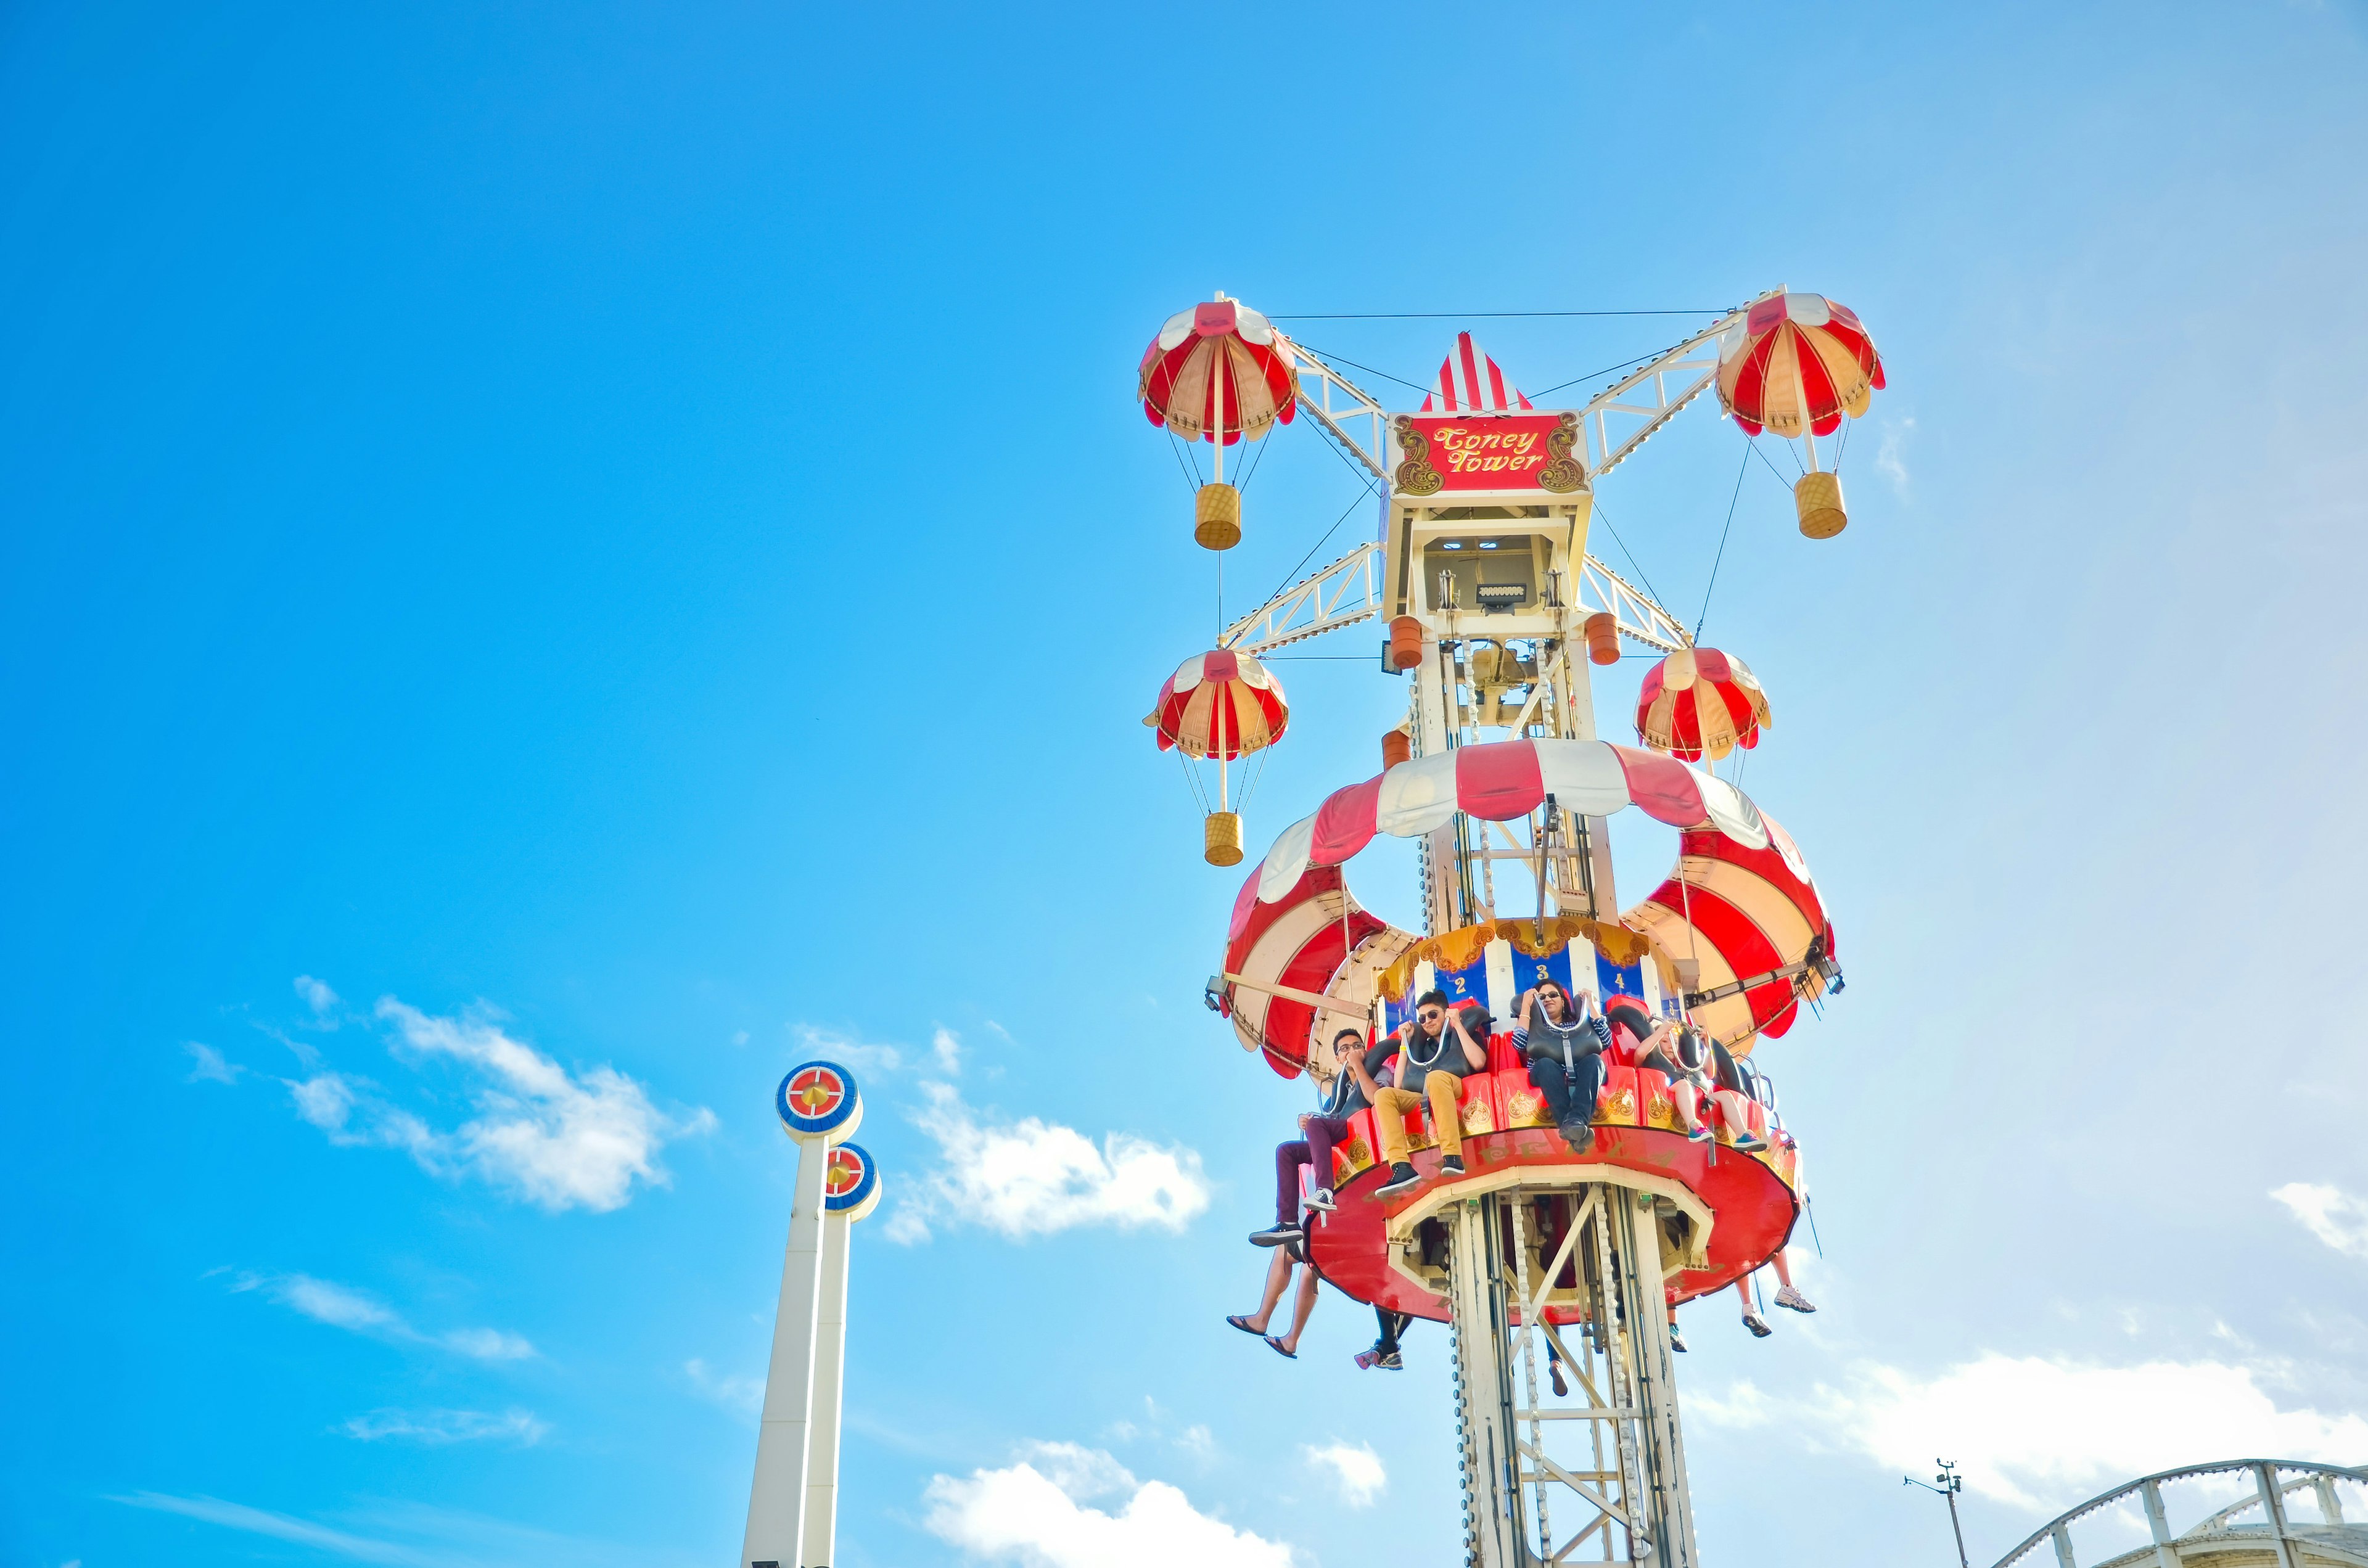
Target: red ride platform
[1752,1198]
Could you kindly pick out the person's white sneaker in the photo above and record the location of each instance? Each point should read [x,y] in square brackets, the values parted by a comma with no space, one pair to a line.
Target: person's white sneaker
[1788,1297]
[1322,1201]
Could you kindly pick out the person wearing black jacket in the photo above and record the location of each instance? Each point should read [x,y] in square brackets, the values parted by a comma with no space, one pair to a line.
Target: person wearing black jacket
[1565,1046]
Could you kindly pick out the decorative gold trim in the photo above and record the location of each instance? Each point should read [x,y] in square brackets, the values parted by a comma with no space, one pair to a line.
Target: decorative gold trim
[1415,475]
[1477,1118]
[1565,473]
[1617,1108]
[1461,948]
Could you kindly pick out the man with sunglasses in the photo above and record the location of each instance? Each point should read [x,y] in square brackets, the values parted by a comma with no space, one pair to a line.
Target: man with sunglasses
[1436,1052]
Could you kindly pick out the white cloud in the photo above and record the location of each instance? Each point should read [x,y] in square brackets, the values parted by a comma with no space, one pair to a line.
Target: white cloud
[315,995]
[736,1391]
[946,1046]
[438,1427]
[1034,1512]
[282,1526]
[355,1115]
[488,1344]
[2332,1215]
[1890,459]
[1743,1405]
[2033,1429]
[850,1053]
[559,1140]
[1033,1177]
[1356,1469]
[359,1312]
[210,1068]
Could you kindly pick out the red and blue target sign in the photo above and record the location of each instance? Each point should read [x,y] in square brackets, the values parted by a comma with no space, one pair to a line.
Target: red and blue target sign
[818,1099]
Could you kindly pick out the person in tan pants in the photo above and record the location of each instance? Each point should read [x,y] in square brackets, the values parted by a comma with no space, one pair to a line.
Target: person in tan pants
[1435,1053]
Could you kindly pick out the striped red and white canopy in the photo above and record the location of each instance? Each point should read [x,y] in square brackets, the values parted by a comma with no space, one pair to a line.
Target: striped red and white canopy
[1299,944]
[1470,382]
[1697,700]
[1796,360]
[1500,781]
[1222,343]
[1219,704]
[1742,914]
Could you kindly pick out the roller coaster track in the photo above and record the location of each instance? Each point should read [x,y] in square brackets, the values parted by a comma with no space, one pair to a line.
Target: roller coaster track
[2275,1539]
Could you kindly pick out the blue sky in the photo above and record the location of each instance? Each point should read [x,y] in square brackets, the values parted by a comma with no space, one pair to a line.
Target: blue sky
[560,560]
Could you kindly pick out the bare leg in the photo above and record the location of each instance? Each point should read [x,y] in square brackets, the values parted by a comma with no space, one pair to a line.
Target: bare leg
[1278,1275]
[1787,1296]
[1689,1103]
[1300,1308]
[1743,1289]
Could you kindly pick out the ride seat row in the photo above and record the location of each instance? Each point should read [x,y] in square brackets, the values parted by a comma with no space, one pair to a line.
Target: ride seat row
[1501,1098]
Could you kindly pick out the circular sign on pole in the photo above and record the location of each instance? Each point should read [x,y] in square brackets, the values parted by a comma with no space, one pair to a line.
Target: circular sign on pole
[851,1185]
[819,1099]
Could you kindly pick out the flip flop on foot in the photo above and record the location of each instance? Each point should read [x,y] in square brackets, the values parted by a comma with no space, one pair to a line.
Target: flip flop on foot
[1276,1346]
[1244,1324]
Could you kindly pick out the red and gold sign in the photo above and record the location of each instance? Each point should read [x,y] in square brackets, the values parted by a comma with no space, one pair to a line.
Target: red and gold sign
[1488,451]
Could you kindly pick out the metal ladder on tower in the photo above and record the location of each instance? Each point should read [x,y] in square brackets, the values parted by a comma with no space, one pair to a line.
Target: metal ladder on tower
[1629,1483]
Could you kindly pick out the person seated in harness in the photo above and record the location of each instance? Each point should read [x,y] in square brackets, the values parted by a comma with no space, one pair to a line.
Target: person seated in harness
[1674,1050]
[1436,1053]
[1563,1042]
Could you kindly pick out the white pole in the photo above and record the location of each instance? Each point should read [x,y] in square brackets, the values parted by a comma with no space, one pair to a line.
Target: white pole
[1801,391]
[1217,398]
[778,1498]
[829,1365]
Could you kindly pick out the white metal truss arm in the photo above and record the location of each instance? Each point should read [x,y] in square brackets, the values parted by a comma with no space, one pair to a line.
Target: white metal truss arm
[1348,591]
[1670,381]
[1337,401]
[1639,614]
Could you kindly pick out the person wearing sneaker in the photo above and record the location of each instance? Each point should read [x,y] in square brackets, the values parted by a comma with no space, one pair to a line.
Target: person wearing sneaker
[1385,1353]
[1787,1297]
[1674,1050]
[1731,1088]
[1328,1124]
[1436,1053]
[1565,1046]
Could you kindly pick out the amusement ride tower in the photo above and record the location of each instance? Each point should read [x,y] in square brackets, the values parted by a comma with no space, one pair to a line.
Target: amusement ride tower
[1573,1243]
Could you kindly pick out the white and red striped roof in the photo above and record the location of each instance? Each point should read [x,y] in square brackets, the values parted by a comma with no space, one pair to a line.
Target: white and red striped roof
[1470,382]
[1739,913]
[1299,942]
[1500,781]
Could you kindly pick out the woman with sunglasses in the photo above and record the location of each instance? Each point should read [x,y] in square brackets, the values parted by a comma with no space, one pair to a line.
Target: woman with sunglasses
[1565,1046]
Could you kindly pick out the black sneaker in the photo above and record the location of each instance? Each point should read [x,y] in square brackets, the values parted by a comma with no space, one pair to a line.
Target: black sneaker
[1578,1134]
[1404,1177]
[1561,1388]
[1274,1236]
[1451,1167]
[1756,1324]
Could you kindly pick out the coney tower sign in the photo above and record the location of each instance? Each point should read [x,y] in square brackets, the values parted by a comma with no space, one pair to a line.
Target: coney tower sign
[793,1504]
